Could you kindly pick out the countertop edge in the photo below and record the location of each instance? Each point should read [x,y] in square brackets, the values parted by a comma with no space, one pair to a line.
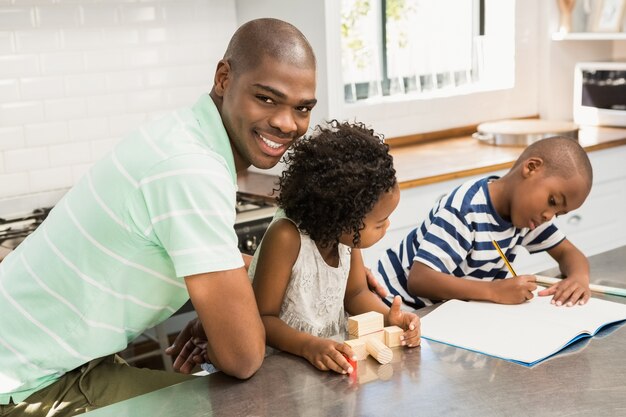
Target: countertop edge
[261,185]
[493,167]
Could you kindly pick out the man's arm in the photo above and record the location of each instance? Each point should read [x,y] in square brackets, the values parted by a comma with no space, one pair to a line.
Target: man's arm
[225,305]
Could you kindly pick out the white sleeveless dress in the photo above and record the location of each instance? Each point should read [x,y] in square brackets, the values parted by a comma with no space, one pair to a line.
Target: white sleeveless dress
[313,301]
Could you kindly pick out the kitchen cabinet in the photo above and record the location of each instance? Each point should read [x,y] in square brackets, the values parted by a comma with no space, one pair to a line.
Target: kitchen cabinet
[558,57]
[597,226]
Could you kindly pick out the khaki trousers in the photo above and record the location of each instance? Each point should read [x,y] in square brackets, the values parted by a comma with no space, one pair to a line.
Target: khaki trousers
[98,383]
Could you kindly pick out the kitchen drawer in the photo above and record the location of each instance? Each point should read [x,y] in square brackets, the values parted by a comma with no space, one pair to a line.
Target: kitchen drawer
[599,224]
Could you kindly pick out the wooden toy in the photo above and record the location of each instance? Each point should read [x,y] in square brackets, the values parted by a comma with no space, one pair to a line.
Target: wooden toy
[379,351]
[392,336]
[358,347]
[365,323]
[368,336]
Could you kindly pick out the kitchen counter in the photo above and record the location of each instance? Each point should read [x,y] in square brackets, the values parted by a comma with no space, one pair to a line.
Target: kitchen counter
[588,378]
[441,160]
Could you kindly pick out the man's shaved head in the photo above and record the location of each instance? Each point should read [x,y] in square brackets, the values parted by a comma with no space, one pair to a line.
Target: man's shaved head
[271,38]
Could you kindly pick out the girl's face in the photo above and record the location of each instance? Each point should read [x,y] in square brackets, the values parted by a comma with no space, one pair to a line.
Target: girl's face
[376,221]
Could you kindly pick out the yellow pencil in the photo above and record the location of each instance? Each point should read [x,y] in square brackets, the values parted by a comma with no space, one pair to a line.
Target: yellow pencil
[506,261]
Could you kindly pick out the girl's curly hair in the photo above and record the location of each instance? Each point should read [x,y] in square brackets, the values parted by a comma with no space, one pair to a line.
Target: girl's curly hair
[333,179]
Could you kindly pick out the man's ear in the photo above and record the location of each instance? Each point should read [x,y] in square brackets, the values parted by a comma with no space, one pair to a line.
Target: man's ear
[532,166]
[223,75]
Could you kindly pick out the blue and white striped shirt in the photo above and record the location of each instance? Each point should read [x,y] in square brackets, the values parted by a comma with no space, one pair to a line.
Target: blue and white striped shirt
[456,239]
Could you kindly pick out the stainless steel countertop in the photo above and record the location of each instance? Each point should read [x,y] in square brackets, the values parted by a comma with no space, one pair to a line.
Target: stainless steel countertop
[588,378]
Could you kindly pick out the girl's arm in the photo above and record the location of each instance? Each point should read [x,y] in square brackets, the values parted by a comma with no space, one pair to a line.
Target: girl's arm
[359,299]
[278,254]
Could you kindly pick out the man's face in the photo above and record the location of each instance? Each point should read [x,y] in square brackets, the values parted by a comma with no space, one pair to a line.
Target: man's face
[539,198]
[265,109]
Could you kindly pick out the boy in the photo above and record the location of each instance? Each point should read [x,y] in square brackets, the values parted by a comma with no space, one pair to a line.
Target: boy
[550,178]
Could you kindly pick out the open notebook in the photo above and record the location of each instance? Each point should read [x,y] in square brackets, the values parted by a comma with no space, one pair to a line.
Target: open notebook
[525,333]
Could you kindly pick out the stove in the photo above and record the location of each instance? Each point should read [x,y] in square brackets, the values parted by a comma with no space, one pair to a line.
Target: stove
[254,215]
[13,230]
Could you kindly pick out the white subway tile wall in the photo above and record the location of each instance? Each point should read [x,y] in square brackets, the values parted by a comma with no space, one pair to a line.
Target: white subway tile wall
[77,75]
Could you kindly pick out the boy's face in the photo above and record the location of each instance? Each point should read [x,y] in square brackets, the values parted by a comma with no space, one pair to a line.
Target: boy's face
[376,221]
[540,197]
[265,109]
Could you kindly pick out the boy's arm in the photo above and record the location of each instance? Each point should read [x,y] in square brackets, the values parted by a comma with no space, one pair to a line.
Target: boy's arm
[575,267]
[278,254]
[426,278]
[359,299]
[424,281]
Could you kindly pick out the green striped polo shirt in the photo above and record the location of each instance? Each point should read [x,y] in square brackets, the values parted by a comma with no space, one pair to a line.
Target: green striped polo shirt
[110,259]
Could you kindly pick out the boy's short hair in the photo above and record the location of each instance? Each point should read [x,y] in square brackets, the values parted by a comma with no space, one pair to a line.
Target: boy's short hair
[562,157]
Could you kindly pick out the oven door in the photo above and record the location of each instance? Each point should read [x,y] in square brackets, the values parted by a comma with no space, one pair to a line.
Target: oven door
[250,227]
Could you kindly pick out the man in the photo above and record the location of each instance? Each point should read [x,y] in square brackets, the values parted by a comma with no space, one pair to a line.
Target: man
[147,228]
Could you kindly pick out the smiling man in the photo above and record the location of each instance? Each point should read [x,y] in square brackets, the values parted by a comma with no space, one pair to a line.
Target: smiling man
[147,228]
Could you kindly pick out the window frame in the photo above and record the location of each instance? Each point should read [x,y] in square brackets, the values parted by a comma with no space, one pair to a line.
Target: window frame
[396,116]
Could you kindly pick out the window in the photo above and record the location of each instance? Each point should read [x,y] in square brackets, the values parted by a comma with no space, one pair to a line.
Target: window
[406,67]
[392,47]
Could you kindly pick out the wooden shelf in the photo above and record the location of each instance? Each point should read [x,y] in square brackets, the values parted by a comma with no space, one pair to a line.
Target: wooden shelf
[589,36]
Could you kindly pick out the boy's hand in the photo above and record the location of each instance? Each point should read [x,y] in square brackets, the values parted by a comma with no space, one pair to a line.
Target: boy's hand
[326,354]
[410,322]
[514,290]
[569,291]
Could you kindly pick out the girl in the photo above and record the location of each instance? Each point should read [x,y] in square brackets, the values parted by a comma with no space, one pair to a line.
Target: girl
[336,196]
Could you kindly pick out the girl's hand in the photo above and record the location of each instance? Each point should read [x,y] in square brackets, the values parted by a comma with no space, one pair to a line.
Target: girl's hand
[410,322]
[326,354]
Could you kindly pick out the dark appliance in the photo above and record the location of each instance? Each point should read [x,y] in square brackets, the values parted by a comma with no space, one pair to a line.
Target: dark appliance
[254,215]
[13,230]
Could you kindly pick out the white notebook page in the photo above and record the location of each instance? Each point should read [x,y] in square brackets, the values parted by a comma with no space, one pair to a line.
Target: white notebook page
[527,332]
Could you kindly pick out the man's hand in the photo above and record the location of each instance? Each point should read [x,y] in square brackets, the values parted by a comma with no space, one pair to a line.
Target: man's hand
[410,322]
[374,285]
[189,347]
